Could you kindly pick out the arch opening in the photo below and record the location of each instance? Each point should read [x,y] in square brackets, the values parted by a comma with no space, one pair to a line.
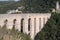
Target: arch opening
[22,23]
[5,22]
[29,23]
[34,26]
[14,22]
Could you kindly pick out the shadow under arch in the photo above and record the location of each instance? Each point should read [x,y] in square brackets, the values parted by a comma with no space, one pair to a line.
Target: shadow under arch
[29,25]
[5,22]
[22,23]
[14,23]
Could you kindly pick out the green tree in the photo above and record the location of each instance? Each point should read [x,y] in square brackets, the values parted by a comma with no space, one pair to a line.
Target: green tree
[51,30]
[38,5]
[35,6]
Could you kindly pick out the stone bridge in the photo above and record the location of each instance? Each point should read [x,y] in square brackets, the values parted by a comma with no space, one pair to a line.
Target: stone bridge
[30,23]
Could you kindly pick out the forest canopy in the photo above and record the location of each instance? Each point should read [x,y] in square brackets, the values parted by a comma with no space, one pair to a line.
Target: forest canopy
[31,6]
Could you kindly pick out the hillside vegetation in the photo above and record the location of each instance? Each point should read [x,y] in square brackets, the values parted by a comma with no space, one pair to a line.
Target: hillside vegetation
[8,5]
[34,6]
[51,30]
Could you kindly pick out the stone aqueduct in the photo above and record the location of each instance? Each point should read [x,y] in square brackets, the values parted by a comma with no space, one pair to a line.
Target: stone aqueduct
[30,23]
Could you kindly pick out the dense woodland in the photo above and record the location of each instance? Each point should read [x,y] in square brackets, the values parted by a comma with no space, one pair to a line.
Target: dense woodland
[51,30]
[8,5]
[34,6]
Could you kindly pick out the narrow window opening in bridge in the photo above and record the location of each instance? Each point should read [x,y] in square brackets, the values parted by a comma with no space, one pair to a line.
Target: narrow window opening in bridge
[47,18]
[29,34]
[43,21]
[39,23]
[22,20]
[5,22]
[14,22]
[34,26]
[29,23]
